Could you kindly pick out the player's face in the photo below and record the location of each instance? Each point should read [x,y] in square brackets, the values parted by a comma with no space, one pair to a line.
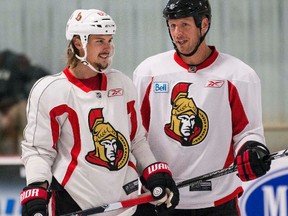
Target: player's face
[184,33]
[100,51]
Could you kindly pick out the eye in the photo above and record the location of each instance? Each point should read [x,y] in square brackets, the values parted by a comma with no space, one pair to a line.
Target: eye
[100,41]
[172,26]
[185,24]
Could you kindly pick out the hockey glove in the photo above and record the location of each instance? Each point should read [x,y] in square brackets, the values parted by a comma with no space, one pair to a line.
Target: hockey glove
[158,179]
[251,161]
[34,200]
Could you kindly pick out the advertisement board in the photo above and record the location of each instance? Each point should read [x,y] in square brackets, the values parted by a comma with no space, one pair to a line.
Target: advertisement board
[265,196]
[12,181]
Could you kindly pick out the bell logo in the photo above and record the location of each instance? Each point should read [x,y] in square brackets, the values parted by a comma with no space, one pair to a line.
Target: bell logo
[160,87]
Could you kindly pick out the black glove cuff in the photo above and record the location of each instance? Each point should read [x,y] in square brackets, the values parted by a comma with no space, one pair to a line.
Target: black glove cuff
[261,149]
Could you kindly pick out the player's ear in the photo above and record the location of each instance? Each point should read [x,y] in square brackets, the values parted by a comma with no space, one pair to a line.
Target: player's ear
[204,24]
[77,42]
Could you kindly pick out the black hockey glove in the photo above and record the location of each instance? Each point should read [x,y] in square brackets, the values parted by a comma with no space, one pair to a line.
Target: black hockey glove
[34,200]
[158,179]
[251,161]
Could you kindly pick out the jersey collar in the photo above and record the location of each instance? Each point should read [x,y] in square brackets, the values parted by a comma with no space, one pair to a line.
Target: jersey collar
[79,84]
[195,68]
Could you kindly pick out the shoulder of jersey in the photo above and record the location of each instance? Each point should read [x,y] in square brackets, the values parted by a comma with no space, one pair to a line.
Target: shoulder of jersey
[46,81]
[237,68]
[155,61]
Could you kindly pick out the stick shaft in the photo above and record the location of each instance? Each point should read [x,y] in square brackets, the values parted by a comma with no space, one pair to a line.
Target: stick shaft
[146,198]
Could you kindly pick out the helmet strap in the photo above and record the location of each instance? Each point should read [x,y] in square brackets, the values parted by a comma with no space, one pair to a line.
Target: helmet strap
[85,62]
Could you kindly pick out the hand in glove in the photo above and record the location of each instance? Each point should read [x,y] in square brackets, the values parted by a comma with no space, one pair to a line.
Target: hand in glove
[251,161]
[34,200]
[158,179]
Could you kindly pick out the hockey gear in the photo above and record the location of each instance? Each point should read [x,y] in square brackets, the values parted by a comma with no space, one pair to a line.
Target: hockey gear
[147,198]
[34,200]
[144,198]
[158,179]
[251,162]
[176,9]
[86,22]
[229,170]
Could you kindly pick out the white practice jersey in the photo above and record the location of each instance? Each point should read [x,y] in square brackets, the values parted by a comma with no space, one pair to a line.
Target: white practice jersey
[89,140]
[198,117]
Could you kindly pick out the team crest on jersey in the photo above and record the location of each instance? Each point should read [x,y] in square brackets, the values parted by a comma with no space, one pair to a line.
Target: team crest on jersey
[188,123]
[111,147]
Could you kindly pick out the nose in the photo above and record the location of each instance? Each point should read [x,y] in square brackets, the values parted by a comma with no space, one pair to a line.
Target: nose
[177,30]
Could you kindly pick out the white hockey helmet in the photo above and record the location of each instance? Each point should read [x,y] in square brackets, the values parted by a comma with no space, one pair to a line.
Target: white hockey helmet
[86,22]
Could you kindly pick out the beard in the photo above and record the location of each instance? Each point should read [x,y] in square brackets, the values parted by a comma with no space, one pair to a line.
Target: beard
[101,66]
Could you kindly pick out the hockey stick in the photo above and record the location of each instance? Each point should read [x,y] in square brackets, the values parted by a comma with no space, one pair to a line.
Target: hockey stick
[222,172]
[147,197]
[144,198]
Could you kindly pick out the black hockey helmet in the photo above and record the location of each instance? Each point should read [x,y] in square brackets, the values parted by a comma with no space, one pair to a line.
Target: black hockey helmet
[185,8]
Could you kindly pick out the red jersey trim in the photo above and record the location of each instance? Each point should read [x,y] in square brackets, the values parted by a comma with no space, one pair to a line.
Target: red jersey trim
[145,107]
[81,85]
[239,118]
[237,193]
[75,151]
[131,164]
[133,118]
[230,157]
[204,64]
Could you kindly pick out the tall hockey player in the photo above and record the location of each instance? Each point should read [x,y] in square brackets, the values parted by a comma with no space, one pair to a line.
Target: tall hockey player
[84,139]
[202,111]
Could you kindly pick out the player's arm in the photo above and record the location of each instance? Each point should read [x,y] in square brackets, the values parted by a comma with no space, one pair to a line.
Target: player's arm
[248,129]
[37,156]
[155,176]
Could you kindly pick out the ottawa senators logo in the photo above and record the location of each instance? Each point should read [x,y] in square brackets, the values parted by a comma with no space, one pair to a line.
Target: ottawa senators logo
[189,124]
[111,147]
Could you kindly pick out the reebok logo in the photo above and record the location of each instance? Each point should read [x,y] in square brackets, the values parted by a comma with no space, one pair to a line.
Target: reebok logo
[214,83]
[115,92]
[160,87]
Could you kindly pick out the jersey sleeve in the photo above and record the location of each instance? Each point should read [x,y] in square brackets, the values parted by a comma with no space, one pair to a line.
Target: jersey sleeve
[143,85]
[139,144]
[37,146]
[249,92]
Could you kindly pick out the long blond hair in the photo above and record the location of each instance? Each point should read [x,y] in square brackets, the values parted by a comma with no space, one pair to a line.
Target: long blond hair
[72,51]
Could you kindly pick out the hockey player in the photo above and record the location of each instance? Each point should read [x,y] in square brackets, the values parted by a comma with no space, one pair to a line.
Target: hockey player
[84,139]
[202,111]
